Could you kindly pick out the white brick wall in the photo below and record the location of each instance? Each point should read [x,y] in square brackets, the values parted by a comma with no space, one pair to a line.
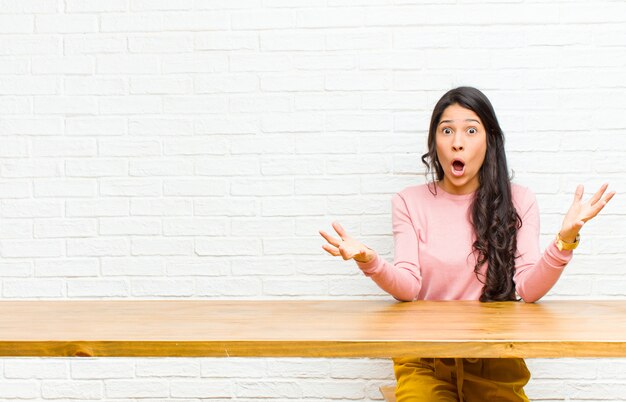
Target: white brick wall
[192,149]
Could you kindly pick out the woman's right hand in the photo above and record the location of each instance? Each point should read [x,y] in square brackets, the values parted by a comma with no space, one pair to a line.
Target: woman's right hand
[346,246]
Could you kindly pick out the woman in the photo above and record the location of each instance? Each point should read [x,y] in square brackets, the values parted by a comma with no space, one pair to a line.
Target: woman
[469,234]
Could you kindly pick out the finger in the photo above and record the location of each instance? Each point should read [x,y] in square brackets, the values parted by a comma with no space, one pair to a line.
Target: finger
[340,230]
[608,197]
[329,238]
[578,195]
[600,205]
[598,194]
[331,250]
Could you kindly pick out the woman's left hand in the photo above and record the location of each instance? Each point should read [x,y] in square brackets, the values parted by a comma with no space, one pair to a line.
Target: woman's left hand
[580,212]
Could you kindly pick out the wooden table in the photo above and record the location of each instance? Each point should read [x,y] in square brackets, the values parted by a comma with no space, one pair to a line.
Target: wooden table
[313,328]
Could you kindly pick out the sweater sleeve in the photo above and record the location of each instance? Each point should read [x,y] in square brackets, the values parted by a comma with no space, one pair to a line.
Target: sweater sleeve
[535,273]
[402,279]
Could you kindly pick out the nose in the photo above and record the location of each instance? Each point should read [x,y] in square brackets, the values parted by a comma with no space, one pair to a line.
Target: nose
[457,142]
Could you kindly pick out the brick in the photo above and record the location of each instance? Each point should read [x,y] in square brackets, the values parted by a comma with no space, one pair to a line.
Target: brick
[195,187]
[130,187]
[228,166]
[32,248]
[125,147]
[98,369]
[334,389]
[178,367]
[197,21]
[34,369]
[16,24]
[14,66]
[335,17]
[194,227]
[94,43]
[299,368]
[97,247]
[97,288]
[262,19]
[281,389]
[261,187]
[220,125]
[20,390]
[95,167]
[65,105]
[29,45]
[63,147]
[292,41]
[327,101]
[97,208]
[133,104]
[227,247]
[195,266]
[291,166]
[160,85]
[195,104]
[28,288]
[226,83]
[262,266]
[258,62]
[234,367]
[198,145]
[129,226]
[239,206]
[226,41]
[161,246]
[293,287]
[16,229]
[361,81]
[127,64]
[16,270]
[136,389]
[31,208]
[51,228]
[194,63]
[201,389]
[132,266]
[94,86]
[95,6]
[79,267]
[173,43]
[14,147]
[161,207]
[162,287]
[66,23]
[161,167]
[228,287]
[63,65]
[324,62]
[134,22]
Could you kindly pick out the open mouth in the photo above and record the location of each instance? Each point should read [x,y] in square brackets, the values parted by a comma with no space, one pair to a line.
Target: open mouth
[458,167]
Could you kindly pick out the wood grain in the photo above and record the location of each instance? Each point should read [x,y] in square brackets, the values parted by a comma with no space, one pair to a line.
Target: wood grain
[354,328]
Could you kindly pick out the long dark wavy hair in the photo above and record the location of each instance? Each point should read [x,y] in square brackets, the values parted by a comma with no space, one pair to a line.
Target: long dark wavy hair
[493,215]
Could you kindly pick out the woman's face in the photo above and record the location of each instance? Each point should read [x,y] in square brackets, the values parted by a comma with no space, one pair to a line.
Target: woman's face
[461,147]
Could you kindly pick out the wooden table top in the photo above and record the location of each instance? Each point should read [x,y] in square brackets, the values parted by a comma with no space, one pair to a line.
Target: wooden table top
[347,328]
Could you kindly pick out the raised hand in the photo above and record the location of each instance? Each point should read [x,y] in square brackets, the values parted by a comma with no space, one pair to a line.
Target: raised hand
[346,246]
[580,212]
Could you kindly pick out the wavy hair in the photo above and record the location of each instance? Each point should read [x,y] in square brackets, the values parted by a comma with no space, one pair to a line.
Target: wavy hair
[493,215]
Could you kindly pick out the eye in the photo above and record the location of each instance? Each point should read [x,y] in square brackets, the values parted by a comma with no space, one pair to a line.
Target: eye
[472,131]
[447,131]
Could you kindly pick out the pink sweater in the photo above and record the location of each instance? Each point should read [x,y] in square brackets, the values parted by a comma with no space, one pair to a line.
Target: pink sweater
[433,242]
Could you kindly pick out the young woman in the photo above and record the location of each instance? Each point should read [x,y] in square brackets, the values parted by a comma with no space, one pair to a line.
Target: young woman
[469,234]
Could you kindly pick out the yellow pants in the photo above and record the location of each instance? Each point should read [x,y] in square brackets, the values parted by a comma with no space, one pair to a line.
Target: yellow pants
[462,380]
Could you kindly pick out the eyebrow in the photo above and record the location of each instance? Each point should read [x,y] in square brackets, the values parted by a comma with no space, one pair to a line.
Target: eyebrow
[451,121]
